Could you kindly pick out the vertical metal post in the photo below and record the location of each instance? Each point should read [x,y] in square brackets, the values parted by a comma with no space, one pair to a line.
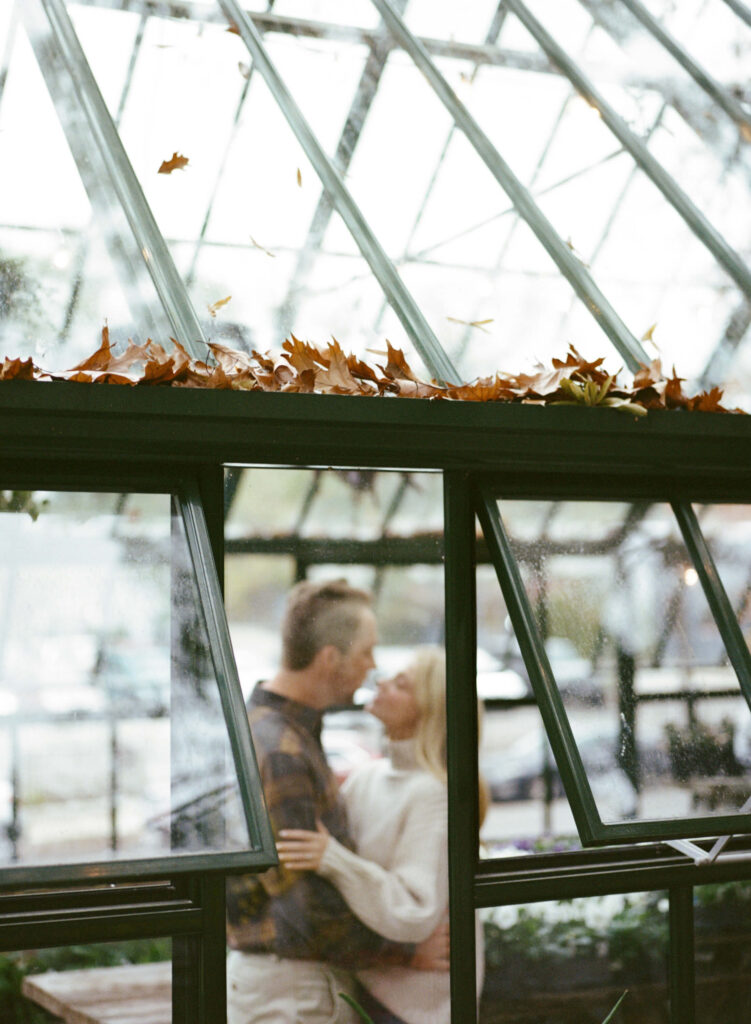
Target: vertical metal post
[461,737]
[681,956]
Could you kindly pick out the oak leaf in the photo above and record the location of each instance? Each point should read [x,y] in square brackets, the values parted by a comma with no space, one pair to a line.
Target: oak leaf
[175,163]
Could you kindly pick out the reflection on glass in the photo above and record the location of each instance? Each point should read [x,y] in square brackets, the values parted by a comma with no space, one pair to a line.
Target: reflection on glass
[722,936]
[654,705]
[100,981]
[573,960]
[112,737]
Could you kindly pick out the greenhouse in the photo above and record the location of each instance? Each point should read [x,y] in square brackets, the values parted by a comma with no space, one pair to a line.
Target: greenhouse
[449,301]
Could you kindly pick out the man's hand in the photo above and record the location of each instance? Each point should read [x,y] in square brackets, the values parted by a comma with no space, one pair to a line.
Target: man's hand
[432,954]
[301,850]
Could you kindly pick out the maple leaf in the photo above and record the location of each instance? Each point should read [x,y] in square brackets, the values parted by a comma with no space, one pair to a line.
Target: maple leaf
[486,389]
[397,367]
[674,396]
[265,362]
[708,401]
[99,360]
[230,359]
[336,377]
[18,369]
[214,306]
[647,375]
[301,355]
[175,163]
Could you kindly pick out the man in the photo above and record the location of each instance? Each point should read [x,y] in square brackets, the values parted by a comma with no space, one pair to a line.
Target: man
[292,936]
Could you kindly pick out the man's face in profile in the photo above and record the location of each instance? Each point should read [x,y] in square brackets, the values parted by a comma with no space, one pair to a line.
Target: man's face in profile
[355,664]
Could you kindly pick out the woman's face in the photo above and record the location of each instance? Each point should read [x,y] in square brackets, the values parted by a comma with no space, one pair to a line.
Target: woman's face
[395,705]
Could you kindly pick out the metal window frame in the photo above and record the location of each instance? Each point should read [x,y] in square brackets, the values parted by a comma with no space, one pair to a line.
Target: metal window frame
[186,492]
[592,830]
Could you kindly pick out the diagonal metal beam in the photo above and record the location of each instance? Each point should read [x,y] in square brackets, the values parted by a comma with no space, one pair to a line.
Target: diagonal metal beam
[700,75]
[707,234]
[739,8]
[113,187]
[82,250]
[415,324]
[717,365]
[365,94]
[573,270]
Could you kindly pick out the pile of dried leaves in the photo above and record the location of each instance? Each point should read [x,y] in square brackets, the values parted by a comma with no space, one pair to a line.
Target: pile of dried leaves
[303,367]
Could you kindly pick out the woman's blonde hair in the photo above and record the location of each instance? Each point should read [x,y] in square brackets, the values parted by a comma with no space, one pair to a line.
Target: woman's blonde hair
[428,673]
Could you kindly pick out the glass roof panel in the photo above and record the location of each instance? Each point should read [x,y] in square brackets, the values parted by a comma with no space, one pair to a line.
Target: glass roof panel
[247,217]
[68,262]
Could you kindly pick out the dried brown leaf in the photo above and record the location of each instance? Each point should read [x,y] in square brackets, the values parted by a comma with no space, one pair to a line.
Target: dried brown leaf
[175,163]
[214,306]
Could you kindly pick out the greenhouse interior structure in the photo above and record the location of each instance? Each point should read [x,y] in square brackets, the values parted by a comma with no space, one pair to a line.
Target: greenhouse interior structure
[449,300]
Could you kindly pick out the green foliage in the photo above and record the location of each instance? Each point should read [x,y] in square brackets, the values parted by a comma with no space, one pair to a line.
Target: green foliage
[356,1007]
[21,501]
[631,941]
[699,749]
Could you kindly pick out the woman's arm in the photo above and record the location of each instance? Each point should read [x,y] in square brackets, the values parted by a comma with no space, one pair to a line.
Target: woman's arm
[404,902]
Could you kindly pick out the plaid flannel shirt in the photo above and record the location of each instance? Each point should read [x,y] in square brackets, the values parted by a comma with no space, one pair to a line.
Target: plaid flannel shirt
[299,915]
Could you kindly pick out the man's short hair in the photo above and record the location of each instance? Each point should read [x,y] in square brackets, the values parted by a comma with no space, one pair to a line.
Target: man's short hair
[319,614]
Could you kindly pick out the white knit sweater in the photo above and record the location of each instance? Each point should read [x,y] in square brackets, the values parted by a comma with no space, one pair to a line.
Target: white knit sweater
[398,885]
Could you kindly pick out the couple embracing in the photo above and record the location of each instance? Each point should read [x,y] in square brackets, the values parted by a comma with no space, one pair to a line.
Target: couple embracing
[359,901]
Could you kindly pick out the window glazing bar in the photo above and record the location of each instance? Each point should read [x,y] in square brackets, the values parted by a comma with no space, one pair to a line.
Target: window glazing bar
[739,8]
[717,598]
[573,270]
[707,234]
[536,660]
[700,75]
[122,178]
[681,959]
[225,669]
[461,737]
[405,307]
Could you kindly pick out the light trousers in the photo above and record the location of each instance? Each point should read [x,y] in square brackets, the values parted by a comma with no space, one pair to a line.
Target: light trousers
[264,989]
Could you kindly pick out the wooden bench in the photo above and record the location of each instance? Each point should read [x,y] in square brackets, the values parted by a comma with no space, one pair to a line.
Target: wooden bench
[131,994]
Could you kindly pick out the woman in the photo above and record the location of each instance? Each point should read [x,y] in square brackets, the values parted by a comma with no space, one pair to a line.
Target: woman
[397,882]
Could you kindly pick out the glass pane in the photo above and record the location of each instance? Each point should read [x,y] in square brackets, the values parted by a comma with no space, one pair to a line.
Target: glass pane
[654,705]
[68,261]
[112,738]
[572,960]
[722,933]
[88,982]
[336,526]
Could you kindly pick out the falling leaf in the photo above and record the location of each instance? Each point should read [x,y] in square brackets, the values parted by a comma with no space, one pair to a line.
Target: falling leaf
[175,163]
[471,323]
[647,336]
[233,28]
[299,177]
[256,245]
[214,306]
